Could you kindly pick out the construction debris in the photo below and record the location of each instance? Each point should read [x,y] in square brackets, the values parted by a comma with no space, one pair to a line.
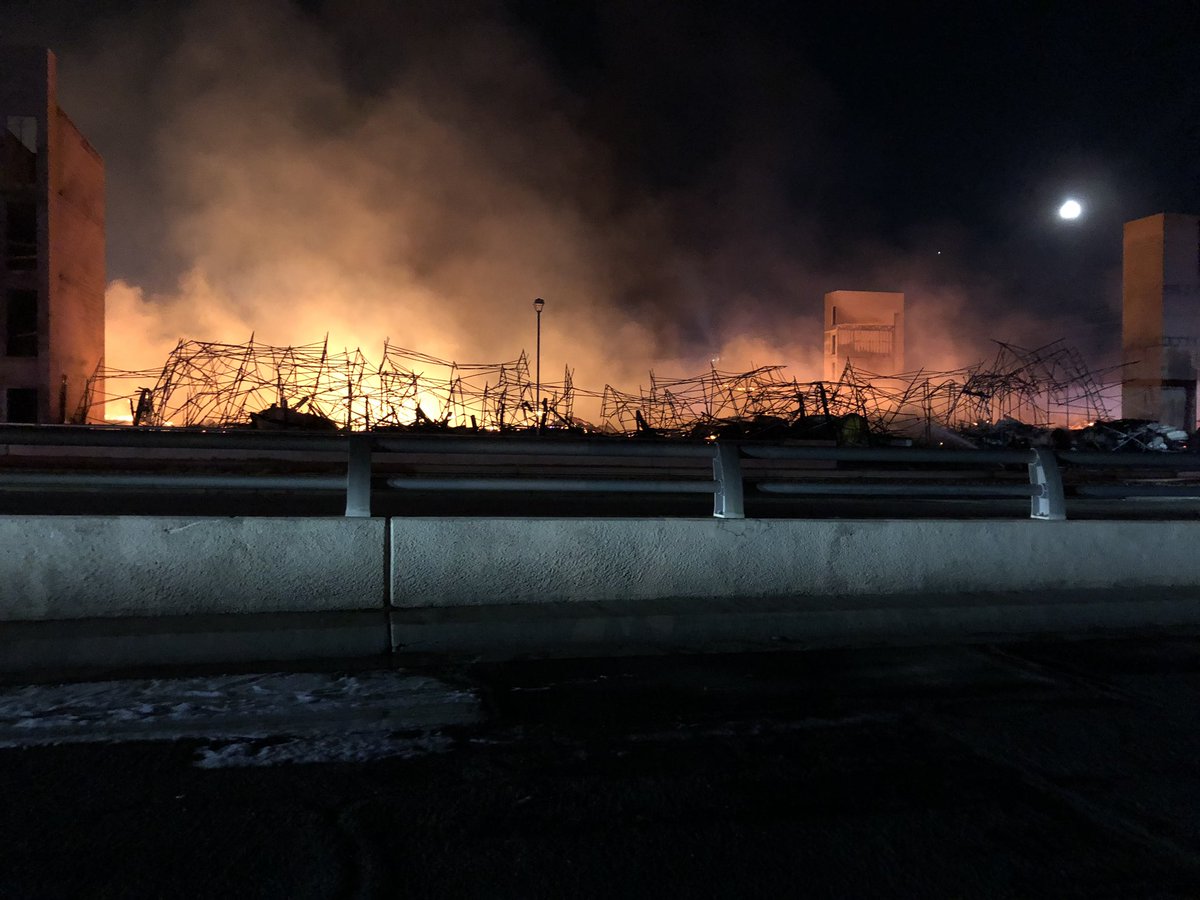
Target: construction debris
[232,385]
[1041,386]
[1020,398]
[1125,435]
[1131,434]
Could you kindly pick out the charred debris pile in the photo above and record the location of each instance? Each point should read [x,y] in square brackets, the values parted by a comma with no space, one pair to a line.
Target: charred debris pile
[1020,398]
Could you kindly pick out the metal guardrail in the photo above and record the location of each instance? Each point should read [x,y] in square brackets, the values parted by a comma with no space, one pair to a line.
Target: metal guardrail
[725,484]
[1044,486]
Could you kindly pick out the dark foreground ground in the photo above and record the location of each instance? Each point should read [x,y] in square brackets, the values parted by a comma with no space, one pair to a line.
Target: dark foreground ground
[1057,769]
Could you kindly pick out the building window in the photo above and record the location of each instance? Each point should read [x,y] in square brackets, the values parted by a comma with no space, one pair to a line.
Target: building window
[869,342]
[20,321]
[20,235]
[22,405]
[18,152]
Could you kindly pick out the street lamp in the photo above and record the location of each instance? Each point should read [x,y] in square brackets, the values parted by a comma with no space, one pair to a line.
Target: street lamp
[539,304]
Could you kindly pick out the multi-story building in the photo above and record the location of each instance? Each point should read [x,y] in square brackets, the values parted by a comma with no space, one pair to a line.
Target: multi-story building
[865,327]
[51,248]
[1161,319]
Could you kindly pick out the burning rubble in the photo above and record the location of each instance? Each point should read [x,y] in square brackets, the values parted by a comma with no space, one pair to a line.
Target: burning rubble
[1124,435]
[1021,398]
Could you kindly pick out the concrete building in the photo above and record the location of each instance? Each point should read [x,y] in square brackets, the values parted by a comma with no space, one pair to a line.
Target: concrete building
[866,327]
[1161,319]
[51,247]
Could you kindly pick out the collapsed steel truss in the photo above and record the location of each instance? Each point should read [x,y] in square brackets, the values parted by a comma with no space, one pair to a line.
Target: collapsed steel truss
[1043,386]
[214,384]
[222,385]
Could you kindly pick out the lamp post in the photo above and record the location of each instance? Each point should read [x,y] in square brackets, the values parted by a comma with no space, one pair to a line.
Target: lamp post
[539,304]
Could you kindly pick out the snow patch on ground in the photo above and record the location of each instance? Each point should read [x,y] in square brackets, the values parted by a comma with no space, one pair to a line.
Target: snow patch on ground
[324,717]
[325,748]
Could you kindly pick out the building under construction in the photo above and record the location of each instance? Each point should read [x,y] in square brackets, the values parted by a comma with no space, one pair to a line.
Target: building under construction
[1161,318]
[310,386]
[1047,386]
[52,274]
[207,384]
[864,329]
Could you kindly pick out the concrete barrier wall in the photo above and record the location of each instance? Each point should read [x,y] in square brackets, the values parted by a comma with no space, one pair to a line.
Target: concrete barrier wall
[472,562]
[115,591]
[54,567]
[60,567]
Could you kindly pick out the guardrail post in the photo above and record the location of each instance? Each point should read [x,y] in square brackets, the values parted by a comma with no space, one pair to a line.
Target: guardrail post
[1049,504]
[358,476]
[728,499]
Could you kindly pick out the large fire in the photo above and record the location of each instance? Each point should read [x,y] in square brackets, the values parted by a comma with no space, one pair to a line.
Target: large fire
[309,386]
[253,188]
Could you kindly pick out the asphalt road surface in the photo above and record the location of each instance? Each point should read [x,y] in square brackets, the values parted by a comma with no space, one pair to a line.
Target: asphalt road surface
[1055,769]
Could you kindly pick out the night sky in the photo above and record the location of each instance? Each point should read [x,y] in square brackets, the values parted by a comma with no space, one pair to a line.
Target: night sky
[723,164]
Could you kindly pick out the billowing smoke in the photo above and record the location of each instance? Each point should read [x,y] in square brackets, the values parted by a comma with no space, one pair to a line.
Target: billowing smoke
[423,175]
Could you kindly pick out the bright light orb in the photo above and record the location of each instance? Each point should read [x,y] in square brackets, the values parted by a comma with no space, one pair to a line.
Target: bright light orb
[1070,210]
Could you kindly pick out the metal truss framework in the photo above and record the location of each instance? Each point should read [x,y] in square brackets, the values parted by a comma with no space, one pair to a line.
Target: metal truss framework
[1046,386]
[223,385]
